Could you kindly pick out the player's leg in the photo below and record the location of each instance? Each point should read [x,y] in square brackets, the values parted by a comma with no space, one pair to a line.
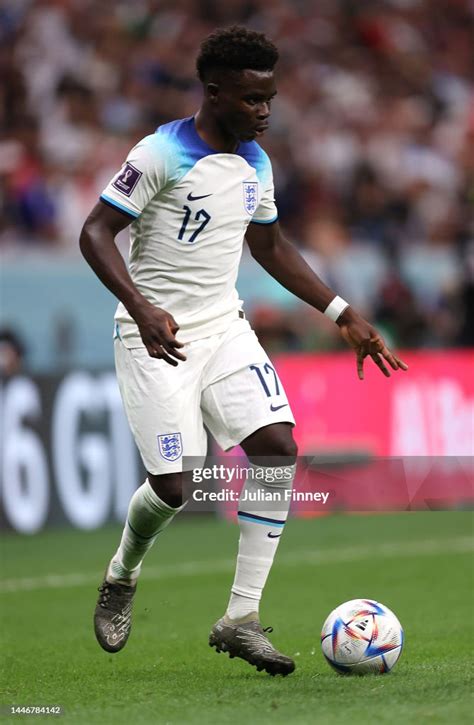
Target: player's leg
[249,407]
[163,411]
[262,518]
[239,631]
[148,515]
[152,507]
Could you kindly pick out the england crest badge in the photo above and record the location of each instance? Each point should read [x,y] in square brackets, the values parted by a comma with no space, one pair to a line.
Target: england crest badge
[250,196]
[170,446]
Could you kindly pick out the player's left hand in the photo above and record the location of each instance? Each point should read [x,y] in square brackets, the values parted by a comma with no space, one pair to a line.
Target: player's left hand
[366,341]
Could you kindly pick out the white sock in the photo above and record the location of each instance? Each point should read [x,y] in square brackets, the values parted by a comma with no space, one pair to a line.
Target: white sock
[261,525]
[147,516]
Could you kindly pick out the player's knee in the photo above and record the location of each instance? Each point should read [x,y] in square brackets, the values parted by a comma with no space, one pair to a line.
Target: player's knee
[282,445]
[272,446]
[168,487]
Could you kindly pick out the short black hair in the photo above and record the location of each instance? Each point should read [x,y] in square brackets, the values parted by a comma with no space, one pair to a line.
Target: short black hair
[235,49]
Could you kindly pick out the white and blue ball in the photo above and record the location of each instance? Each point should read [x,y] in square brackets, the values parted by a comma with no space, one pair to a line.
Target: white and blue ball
[362,636]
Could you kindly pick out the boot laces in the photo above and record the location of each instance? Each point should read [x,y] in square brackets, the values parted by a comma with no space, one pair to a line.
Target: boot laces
[104,590]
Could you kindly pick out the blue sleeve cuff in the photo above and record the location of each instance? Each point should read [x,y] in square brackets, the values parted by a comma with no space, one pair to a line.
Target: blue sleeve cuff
[116,205]
[264,221]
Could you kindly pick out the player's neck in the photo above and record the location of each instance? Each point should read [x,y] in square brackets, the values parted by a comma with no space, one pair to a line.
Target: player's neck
[213,135]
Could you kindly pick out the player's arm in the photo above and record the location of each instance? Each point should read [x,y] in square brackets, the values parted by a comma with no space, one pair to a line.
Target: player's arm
[97,242]
[282,260]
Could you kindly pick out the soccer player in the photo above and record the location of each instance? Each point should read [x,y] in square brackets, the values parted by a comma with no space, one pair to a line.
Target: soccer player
[185,354]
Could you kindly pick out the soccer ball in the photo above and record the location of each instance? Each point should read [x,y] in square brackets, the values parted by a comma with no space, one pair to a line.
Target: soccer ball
[362,636]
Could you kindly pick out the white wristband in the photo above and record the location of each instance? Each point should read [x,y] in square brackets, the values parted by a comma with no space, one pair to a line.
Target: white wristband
[335,308]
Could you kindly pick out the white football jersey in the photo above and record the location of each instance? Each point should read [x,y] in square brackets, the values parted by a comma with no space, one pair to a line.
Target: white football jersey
[190,207]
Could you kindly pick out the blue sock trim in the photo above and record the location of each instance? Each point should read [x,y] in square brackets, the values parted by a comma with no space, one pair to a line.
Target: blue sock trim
[260,519]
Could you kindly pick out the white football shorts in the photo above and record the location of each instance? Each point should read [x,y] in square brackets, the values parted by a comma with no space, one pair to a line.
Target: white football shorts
[227,383]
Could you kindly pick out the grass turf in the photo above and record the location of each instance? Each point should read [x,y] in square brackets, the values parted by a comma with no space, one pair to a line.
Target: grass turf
[418,564]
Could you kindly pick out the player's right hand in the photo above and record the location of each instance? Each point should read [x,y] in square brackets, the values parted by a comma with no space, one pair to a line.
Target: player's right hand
[158,329]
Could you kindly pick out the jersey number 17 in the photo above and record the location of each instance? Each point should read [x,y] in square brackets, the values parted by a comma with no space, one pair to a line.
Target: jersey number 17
[201,216]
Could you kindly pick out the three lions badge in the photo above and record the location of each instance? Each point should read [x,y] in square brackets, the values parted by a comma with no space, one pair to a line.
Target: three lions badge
[250,196]
[170,446]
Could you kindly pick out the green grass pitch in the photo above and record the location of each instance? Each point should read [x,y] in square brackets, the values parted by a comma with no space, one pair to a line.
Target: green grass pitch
[418,564]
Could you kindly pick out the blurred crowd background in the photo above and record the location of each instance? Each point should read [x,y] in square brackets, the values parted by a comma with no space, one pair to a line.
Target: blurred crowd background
[372,143]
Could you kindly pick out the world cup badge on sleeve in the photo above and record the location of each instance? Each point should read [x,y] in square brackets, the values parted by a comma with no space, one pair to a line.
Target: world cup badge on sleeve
[127,180]
[250,196]
[170,445]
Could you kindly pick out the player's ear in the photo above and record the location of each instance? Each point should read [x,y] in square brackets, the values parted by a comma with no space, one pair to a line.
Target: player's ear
[212,91]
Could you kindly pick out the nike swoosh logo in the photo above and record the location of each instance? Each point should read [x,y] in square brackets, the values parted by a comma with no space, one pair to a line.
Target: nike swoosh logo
[190,197]
[273,536]
[274,408]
